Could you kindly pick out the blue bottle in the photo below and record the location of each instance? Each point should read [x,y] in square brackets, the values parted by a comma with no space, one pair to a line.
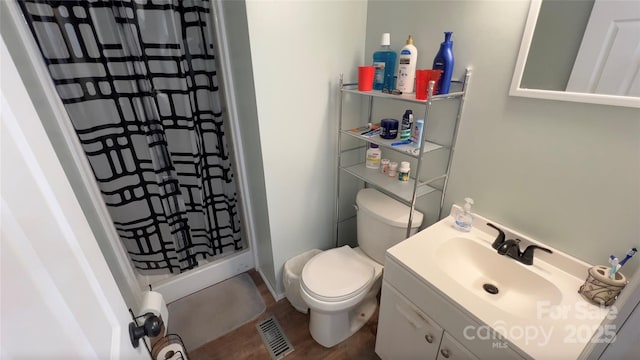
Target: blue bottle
[385,62]
[444,61]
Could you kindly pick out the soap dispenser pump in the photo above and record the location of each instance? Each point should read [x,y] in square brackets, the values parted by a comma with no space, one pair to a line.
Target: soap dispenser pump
[464,219]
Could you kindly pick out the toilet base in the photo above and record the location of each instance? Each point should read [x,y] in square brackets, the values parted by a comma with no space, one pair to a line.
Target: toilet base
[330,328]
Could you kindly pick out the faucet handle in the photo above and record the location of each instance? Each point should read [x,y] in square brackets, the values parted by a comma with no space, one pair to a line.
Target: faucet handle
[499,239]
[511,248]
[527,254]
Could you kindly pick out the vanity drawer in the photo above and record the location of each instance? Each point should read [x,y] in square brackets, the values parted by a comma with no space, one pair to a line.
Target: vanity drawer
[446,314]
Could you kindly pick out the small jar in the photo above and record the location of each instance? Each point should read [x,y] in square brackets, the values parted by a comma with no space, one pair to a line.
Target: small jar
[384,165]
[393,169]
[389,128]
[403,174]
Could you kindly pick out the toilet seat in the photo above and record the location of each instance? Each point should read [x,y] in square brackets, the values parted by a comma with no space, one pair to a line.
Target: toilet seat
[336,275]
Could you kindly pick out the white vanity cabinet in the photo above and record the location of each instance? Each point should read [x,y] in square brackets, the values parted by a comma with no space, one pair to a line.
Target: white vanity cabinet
[417,322]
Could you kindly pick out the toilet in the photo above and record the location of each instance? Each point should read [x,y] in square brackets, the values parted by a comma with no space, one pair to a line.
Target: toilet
[340,285]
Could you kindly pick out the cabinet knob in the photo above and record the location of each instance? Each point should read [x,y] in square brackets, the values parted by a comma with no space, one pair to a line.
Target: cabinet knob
[445,353]
[429,338]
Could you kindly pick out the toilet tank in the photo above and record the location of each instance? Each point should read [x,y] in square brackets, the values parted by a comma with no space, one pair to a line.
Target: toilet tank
[382,222]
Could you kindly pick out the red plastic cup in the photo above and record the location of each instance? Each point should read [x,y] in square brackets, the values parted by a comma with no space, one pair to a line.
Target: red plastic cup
[423,77]
[365,77]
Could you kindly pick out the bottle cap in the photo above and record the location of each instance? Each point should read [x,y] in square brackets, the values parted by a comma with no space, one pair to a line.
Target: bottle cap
[410,40]
[404,166]
[393,165]
[386,39]
[373,146]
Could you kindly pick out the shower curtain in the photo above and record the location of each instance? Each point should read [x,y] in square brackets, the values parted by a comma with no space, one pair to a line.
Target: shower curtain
[138,80]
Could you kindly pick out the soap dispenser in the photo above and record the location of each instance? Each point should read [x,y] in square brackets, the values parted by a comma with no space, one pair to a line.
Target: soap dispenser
[464,219]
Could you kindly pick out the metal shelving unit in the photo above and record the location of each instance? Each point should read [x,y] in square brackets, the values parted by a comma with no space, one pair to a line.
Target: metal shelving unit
[406,193]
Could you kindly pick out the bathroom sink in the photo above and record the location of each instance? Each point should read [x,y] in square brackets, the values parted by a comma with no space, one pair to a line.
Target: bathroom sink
[481,270]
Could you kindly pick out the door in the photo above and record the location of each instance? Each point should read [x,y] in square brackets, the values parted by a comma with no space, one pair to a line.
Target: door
[58,298]
[608,61]
[450,349]
[405,332]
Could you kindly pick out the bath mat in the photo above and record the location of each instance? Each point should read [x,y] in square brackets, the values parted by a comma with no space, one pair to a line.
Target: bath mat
[214,311]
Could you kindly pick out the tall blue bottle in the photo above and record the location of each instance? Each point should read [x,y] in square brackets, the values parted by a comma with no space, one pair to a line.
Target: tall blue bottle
[444,61]
[385,62]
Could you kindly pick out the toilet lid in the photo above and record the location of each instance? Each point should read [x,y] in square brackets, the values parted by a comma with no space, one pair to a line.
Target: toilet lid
[336,275]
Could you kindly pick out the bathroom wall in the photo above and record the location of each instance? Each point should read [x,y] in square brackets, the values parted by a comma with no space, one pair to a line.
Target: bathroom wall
[235,16]
[565,173]
[298,50]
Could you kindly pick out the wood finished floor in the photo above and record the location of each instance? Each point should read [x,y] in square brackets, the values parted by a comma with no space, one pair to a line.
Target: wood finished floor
[245,342]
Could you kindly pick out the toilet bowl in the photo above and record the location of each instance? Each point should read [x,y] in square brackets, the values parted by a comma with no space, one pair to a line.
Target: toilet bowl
[340,285]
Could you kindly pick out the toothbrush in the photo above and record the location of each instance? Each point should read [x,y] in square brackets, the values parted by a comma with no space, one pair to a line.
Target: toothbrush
[614,266]
[629,256]
[362,128]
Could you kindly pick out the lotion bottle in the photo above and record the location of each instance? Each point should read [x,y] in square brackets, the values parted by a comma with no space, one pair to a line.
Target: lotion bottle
[444,61]
[407,66]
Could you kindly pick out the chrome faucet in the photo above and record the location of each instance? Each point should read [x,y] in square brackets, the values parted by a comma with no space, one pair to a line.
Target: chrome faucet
[511,248]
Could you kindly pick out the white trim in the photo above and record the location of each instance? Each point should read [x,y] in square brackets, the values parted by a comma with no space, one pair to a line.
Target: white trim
[516,90]
[79,159]
[234,125]
[277,296]
[181,285]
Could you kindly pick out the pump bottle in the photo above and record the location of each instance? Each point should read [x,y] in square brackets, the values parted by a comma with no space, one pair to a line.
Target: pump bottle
[444,61]
[464,219]
[407,66]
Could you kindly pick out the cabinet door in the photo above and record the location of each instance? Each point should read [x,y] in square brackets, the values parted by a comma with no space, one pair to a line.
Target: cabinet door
[405,332]
[450,349]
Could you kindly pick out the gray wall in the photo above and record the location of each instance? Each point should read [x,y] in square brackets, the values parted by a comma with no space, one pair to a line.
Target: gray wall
[567,174]
[238,39]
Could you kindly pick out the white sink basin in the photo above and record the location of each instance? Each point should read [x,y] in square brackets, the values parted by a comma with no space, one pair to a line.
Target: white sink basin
[473,264]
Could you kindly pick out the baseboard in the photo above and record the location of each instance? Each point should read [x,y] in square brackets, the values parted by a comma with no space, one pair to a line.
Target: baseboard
[276,296]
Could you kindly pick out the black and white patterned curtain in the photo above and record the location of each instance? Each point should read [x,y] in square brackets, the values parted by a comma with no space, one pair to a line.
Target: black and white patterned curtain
[138,80]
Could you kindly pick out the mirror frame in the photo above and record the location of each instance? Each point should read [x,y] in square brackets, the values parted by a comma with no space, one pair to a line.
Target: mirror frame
[516,90]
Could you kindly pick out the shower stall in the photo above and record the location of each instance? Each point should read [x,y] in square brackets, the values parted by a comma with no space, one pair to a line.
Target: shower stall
[152,129]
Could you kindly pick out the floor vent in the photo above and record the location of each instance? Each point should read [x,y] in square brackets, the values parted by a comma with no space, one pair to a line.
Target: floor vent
[274,338]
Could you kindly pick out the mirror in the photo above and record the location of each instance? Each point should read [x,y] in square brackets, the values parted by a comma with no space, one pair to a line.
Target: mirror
[580,51]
